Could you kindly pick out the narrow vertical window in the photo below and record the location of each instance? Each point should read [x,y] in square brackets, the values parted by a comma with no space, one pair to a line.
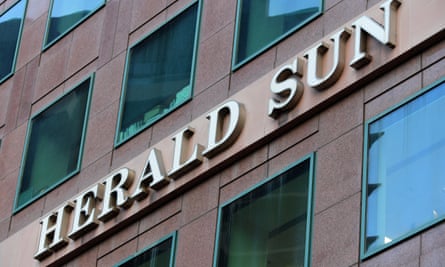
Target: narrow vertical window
[67,14]
[404,188]
[160,254]
[54,144]
[270,225]
[11,24]
[159,74]
[262,23]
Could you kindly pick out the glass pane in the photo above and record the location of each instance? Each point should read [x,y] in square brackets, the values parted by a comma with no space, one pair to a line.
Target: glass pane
[406,170]
[54,144]
[67,13]
[263,22]
[159,73]
[158,256]
[267,226]
[10,24]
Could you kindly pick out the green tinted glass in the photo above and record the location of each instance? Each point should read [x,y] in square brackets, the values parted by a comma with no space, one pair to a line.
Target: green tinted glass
[10,27]
[405,189]
[65,14]
[261,23]
[158,256]
[54,142]
[269,225]
[159,74]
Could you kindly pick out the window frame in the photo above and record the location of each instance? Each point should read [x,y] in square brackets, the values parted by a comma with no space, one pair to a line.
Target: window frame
[19,39]
[309,210]
[46,45]
[367,254]
[62,180]
[117,140]
[173,236]
[235,65]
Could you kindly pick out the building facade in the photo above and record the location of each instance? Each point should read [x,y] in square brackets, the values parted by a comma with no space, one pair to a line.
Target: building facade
[222,133]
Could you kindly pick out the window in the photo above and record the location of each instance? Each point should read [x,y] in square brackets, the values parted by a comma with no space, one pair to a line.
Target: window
[159,74]
[262,23]
[270,225]
[67,14]
[404,188]
[11,24]
[160,254]
[54,144]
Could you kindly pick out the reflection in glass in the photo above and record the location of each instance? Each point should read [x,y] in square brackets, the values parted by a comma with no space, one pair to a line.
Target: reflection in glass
[263,22]
[10,27]
[406,170]
[157,256]
[159,74]
[65,14]
[54,144]
[269,225]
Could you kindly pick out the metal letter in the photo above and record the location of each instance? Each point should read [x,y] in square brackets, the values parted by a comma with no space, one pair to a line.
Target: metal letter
[116,194]
[179,164]
[314,66]
[286,88]
[386,34]
[217,139]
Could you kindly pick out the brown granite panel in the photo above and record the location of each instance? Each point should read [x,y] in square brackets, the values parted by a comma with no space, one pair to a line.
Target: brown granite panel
[28,91]
[108,32]
[216,15]
[433,54]
[342,117]
[4,228]
[196,242]
[299,41]
[293,154]
[94,172]
[36,9]
[53,65]
[160,215]
[145,10]
[18,81]
[250,71]
[336,233]
[118,255]
[433,258]
[210,98]
[328,4]
[392,78]
[172,123]
[245,182]
[5,92]
[200,199]
[293,136]
[132,147]
[118,239]
[123,27]
[160,231]
[27,215]
[99,139]
[214,59]
[60,194]
[86,41]
[405,254]
[393,97]
[8,187]
[372,3]
[108,84]
[11,150]
[244,165]
[433,73]
[342,13]
[31,42]
[86,259]
[146,29]
[433,239]
[338,169]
